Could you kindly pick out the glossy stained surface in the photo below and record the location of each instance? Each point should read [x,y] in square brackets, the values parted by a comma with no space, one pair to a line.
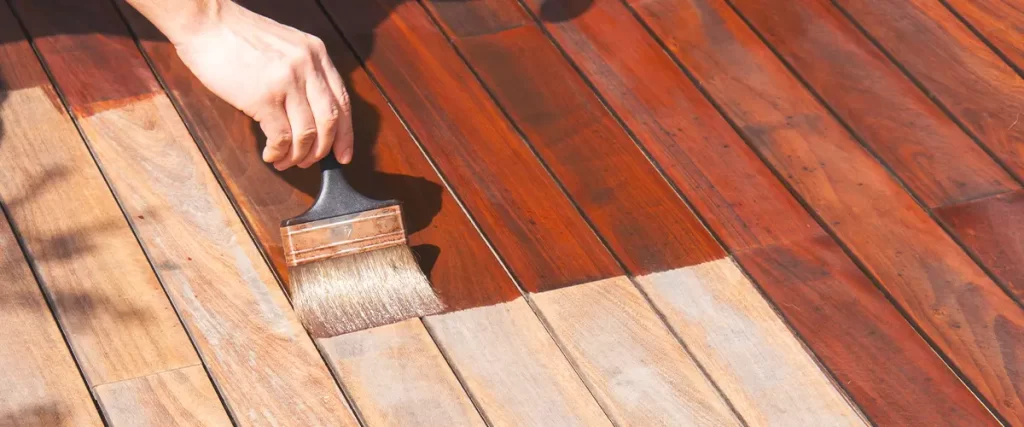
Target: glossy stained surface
[650,212]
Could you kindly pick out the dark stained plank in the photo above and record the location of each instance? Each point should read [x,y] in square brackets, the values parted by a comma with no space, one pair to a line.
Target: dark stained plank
[933,157]
[461,266]
[654,233]
[956,67]
[644,222]
[532,224]
[1000,22]
[42,386]
[749,209]
[942,290]
[226,296]
[993,228]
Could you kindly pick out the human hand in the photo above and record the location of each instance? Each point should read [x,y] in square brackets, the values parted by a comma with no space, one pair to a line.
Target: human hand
[279,76]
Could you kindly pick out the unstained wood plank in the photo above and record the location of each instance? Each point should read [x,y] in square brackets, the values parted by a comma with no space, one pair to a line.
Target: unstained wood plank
[181,397]
[595,321]
[41,385]
[121,325]
[924,147]
[948,296]
[740,341]
[225,294]
[954,66]
[392,376]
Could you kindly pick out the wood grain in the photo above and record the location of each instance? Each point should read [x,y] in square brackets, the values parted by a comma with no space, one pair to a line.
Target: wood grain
[924,147]
[950,299]
[392,376]
[756,361]
[182,397]
[663,386]
[513,369]
[1000,22]
[519,207]
[42,387]
[993,228]
[740,199]
[956,67]
[640,217]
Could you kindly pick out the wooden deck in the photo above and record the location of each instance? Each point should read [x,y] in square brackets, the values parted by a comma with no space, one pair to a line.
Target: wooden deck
[639,212]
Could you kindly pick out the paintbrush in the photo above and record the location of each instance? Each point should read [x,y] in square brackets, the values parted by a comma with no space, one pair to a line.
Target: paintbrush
[349,261]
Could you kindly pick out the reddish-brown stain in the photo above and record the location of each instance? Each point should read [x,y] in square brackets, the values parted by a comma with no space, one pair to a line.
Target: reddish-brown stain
[749,209]
[965,75]
[897,241]
[993,228]
[462,18]
[646,224]
[922,145]
[817,288]
[388,165]
[77,38]
[1001,22]
[14,73]
[532,224]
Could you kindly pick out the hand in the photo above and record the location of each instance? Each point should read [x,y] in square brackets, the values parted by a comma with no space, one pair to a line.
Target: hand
[279,76]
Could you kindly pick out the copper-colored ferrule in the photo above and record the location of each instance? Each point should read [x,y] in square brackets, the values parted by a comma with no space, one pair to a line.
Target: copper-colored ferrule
[343,235]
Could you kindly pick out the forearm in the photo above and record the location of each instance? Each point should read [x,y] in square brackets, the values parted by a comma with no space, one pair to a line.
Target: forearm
[178,18]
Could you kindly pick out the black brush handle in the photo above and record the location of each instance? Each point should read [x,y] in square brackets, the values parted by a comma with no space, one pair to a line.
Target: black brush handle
[336,197]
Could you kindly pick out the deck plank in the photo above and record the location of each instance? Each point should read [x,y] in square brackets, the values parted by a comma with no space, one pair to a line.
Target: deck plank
[182,397]
[120,326]
[42,386]
[225,294]
[954,66]
[460,265]
[1000,22]
[933,157]
[945,293]
[749,209]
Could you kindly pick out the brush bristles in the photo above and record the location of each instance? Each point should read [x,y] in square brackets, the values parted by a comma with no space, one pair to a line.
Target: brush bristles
[355,292]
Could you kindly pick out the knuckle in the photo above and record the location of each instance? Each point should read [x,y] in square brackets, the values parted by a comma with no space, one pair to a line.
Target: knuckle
[317,44]
[305,136]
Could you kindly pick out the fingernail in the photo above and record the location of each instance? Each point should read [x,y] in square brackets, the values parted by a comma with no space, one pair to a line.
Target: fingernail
[346,156]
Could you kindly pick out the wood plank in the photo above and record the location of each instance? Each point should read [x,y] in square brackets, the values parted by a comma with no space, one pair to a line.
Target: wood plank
[956,67]
[42,386]
[993,228]
[534,227]
[120,326]
[1000,22]
[229,300]
[741,342]
[748,208]
[482,342]
[594,321]
[460,265]
[932,156]
[392,377]
[179,397]
[936,283]
[648,227]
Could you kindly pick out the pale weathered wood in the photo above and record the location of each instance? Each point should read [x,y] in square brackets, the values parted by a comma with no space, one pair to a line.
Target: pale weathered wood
[746,348]
[182,397]
[261,360]
[41,386]
[631,361]
[513,369]
[392,375]
[116,316]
